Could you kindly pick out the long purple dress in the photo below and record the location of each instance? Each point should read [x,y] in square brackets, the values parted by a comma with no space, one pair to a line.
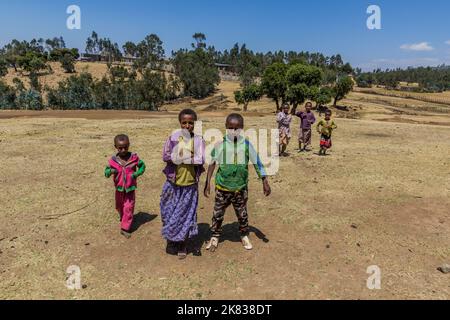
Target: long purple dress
[179,203]
[179,212]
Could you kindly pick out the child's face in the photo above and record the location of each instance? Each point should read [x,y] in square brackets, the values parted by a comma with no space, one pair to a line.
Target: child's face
[234,124]
[187,122]
[327,116]
[286,110]
[234,128]
[122,147]
[308,108]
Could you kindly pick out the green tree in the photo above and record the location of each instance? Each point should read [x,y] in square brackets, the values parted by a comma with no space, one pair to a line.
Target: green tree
[152,87]
[173,88]
[7,96]
[75,92]
[103,46]
[130,49]
[32,62]
[93,44]
[3,68]
[322,97]
[302,82]
[297,94]
[30,100]
[247,66]
[200,39]
[342,87]
[274,82]
[68,63]
[150,53]
[347,69]
[55,44]
[248,94]
[58,54]
[196,71]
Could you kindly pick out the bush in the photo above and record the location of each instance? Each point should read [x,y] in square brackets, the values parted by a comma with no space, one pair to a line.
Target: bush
[248,94]
[68,63]
[323,96]
[152,90]
[197,72]
[58,54]
[76,92]
[3,68]
[30,100]
[7,96]
[34,82]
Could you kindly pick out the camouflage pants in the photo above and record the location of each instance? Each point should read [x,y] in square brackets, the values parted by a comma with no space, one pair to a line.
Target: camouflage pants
[223,201]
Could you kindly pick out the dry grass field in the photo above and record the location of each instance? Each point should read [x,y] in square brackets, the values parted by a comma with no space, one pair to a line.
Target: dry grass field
[98,70]
[381,197]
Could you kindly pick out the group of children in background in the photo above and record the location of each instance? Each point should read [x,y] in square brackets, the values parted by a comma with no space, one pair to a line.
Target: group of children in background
[184,155]
[325,128]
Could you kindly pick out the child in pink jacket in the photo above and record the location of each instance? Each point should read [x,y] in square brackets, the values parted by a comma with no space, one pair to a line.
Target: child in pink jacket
[125,167]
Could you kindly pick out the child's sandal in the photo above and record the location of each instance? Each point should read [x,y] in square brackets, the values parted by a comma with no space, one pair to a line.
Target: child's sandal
[126,234]
[213,244]
[182,251]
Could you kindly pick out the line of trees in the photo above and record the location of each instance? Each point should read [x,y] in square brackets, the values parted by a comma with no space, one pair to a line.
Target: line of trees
[143,86]
[121,88]
[283,76]
[429,79]
[295,83]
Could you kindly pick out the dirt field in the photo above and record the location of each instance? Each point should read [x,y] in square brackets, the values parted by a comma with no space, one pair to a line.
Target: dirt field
[380,198]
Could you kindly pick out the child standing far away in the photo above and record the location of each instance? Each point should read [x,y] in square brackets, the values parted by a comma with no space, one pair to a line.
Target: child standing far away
[125,167]
[307,119]
[184,155]
[284,120]
[233,155]
[326,127]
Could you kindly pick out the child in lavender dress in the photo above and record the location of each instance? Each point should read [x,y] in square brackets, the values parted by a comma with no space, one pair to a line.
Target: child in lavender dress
[184,154]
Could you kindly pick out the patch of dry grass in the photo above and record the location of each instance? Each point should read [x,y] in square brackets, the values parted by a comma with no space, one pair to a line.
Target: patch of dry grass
[391,180]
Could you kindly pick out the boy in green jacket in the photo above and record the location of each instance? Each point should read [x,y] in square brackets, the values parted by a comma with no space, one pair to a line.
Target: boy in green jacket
[233,156]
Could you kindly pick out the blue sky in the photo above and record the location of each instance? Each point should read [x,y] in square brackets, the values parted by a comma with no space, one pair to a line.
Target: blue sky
[413,32]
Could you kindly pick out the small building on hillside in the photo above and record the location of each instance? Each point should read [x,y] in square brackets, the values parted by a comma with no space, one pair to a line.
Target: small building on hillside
[225,68]
[92,57]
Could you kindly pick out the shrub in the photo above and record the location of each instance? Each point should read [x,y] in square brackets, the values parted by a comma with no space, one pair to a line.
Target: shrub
[197,72]
[7,96]
[248,94]
[58,54]
[152,89]
[68,63]
[76,92]
[3,67]
[30,100]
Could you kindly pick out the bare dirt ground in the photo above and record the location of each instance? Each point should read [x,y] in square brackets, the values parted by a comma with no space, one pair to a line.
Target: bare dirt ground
[380,198]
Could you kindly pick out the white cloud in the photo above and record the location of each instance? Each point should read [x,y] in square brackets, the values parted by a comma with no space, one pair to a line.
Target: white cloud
[423,46]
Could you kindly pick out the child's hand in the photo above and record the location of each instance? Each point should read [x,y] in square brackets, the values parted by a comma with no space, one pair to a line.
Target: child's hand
[207,190]
[109,172]
[266,187]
